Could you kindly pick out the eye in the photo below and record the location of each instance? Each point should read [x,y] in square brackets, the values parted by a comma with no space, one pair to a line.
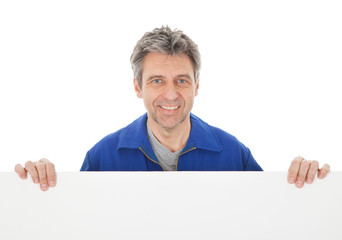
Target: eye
[156,80]
[182,81]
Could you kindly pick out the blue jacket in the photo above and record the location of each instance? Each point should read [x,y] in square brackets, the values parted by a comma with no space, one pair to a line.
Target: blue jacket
[208,149]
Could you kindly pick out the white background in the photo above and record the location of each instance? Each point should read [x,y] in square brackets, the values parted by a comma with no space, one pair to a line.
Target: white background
[271,75]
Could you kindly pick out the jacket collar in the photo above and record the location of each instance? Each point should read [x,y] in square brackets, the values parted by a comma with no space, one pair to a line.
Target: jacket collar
[201,136]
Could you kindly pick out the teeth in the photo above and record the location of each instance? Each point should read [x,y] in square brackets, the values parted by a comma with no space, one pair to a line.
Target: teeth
[170,108]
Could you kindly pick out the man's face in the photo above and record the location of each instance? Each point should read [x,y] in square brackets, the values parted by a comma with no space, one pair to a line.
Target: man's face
[168,88]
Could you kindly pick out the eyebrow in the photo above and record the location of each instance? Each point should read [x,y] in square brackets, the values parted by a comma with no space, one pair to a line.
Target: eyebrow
[184,75]
[155,76]
[161,76]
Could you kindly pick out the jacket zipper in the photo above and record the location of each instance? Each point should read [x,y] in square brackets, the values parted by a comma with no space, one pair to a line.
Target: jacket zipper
[151,159]
[160,164]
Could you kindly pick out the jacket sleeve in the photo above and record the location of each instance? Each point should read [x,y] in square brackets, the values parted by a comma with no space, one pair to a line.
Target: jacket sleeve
[250,163]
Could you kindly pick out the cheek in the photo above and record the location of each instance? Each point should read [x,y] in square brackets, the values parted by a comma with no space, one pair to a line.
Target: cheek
[149,97]
[191,94]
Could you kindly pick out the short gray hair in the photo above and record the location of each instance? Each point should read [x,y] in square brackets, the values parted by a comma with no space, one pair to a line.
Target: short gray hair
[164,40]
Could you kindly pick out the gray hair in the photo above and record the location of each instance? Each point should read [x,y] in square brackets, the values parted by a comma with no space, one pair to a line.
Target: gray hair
[164,40]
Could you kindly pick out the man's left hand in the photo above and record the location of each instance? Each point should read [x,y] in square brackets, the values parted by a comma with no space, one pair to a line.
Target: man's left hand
[304,171]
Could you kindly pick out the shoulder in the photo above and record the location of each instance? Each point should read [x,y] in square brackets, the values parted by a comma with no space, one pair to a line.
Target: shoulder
[224,135]
[227,139]
[213,135]
[108,142]
[213,132]
[130,136]
[232,147]
[224,149]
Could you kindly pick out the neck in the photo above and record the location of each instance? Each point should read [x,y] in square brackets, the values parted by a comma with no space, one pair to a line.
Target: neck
[173,139]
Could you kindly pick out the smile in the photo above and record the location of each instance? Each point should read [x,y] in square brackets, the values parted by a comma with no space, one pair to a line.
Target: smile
[170,108]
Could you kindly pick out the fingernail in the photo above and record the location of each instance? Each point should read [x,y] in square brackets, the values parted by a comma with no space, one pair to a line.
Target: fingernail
[309,180]
[52,183]
[299,184]
[44,187]
[36,180]
[291,180]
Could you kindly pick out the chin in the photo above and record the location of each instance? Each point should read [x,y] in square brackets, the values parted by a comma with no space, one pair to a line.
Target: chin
[171,123]
[169,126]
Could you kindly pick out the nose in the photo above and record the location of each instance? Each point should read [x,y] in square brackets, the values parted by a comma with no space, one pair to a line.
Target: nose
[170,92]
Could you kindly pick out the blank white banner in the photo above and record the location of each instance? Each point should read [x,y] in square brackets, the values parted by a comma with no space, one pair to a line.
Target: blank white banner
[171,205]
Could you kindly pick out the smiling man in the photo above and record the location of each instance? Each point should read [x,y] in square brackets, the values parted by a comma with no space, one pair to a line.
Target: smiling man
[168,137]
[168,90]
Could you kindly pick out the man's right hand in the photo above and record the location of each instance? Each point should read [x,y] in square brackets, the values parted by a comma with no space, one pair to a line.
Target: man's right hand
[42,172]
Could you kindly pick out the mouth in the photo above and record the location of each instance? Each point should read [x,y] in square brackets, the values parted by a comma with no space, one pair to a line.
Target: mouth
[170,107]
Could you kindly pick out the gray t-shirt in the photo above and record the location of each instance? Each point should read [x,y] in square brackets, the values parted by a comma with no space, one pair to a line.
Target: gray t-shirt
[167,159]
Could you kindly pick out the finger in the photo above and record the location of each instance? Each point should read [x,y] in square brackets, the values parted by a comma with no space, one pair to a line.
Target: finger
[31,168]
[42,175]
[51,174]
[21,171]
[44,160]
[293,170]
[312,172]
[323,172]
[303,171]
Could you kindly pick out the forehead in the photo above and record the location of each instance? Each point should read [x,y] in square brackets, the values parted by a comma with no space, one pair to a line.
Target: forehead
[164,64]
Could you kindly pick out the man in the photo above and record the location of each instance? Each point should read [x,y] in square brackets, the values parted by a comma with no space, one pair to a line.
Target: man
[166,67]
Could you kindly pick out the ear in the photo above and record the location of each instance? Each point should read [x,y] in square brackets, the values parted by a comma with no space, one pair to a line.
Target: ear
[137,88]
[197,86]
